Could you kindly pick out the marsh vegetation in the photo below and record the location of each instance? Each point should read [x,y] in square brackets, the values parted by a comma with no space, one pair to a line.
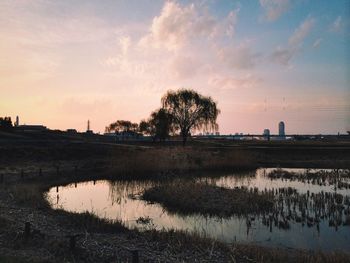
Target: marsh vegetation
[249,207]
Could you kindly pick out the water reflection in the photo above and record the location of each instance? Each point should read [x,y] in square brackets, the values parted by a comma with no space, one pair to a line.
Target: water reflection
[306,216]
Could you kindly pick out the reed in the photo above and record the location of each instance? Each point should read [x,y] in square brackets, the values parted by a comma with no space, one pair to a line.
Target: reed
[209,199]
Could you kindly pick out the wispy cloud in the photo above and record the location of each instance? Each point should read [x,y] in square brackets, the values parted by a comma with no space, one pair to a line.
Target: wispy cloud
[239,57]
[283,55]
[336,25]
[234,83]
[317,43]
[274,8]
[301,32]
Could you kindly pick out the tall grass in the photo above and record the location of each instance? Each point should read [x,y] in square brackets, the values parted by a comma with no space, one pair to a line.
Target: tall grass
[192,197]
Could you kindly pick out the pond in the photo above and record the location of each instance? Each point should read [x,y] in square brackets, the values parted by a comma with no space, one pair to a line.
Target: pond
[319,219]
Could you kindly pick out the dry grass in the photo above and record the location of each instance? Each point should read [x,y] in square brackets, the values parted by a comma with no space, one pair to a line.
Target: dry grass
[89,222]
[208,199]
[179,158]
[275,255]
[29,194]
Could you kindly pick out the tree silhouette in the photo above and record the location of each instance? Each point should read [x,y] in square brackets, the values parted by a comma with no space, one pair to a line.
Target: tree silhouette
[145,128]
[122,126]
[5,123]
[158,126]
[190,111]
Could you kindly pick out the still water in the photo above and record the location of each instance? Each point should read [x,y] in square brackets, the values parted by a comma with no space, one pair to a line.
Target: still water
[121,200]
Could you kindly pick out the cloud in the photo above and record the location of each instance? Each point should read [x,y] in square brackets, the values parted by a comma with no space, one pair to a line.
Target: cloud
[184,67]
[337,25]
[226,27]
[239,57]
[177,24]
[180,25]
[231,21]
[301,32]
[125,43]
[184,45]
[233,83]
[284,55]
[317,43]
[274,8]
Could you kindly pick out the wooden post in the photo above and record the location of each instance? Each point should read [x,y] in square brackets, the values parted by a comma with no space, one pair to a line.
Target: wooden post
[135,256]
[1,178]
[27,229]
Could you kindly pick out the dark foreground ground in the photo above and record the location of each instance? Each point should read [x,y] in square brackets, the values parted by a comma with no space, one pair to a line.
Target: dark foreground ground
[30,166]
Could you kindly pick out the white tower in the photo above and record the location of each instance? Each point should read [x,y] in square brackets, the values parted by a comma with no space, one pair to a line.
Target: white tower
[281,129]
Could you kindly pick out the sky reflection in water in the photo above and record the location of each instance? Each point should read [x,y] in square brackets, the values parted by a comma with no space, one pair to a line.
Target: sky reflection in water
[119,200]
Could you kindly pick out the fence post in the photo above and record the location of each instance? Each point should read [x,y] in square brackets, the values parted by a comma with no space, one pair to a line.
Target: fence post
[27,229]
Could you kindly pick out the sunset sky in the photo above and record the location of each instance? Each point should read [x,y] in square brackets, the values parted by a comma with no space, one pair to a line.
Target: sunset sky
[64,62]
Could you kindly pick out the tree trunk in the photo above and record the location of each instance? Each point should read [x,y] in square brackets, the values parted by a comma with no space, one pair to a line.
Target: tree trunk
[184,137]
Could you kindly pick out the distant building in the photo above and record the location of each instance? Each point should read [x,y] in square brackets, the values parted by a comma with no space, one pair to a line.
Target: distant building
[281,130]
[266,134]
[125,135]
[31,128]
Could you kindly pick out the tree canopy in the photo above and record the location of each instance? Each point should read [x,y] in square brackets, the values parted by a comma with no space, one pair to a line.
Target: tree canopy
[5,123]
[158,126]
[121,126]
[190,111]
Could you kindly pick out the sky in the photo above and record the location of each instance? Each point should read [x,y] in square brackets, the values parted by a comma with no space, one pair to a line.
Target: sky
[263,61]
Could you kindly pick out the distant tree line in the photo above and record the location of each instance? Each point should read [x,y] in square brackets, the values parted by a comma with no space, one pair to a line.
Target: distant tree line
[6,123]
[122,126]
[182,112]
